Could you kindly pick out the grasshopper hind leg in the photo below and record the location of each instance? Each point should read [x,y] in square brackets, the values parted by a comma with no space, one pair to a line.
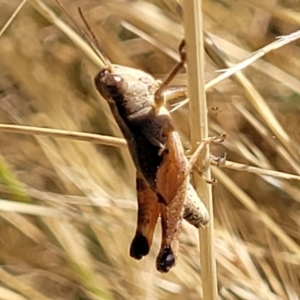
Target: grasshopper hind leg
[166,258]
[148,212]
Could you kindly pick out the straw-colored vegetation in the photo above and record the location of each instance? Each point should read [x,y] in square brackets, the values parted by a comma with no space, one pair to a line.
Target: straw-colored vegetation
[68,207]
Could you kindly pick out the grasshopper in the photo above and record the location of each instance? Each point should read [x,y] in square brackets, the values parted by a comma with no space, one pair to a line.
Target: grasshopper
[156,149]
[136,101]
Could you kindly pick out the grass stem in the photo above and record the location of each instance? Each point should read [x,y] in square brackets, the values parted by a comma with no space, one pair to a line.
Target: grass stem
[192,19]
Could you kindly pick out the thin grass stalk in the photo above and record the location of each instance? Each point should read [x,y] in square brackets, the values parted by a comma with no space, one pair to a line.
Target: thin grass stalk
[265,133]
[261,65]
[12,17]
[280,12]
[48,14]
[232,69]
[192,20]
[248,202]
[18,285]
[120,142]
[259,171]
[251,92]
[9,294]
[66,134]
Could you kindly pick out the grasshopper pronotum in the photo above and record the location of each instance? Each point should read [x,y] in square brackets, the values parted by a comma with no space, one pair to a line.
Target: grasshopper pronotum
[136,101]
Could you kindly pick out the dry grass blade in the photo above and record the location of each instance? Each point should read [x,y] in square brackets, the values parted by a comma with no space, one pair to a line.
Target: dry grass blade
[281,41]
[268,137]
[57,133]
[74,37]
[255,170]
[280,12]
[249,203]
[7,294]
[12,182]
[11,206]
[192,19]
[243,146]
[26,227]
[282,270]
[139,13]
[41,211]
[146,37]
[238,53]
[21,287]
[257,100]
[9,21]
[79,257]
[263,109]
[275,284]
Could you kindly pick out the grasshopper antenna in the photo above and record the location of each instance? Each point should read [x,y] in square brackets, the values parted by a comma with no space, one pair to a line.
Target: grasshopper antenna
[96,47]
[92,42]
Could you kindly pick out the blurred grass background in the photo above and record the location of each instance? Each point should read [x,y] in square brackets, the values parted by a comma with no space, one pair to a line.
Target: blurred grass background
[68,208]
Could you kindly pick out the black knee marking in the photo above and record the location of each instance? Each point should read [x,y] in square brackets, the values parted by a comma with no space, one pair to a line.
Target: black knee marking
[165,260]
[139,246]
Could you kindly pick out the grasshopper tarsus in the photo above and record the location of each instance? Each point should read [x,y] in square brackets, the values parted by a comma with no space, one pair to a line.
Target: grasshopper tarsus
[211,181]
[218,160]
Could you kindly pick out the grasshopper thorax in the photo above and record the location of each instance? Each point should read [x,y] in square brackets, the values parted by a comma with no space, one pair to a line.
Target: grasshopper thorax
[130,93]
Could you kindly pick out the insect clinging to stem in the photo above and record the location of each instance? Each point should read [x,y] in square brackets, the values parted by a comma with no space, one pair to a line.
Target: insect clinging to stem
[136,101]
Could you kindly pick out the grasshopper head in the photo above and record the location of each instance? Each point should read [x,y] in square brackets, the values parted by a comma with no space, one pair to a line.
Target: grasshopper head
[110,85]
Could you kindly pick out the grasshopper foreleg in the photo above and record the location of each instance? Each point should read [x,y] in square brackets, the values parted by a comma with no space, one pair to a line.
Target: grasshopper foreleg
[159,98]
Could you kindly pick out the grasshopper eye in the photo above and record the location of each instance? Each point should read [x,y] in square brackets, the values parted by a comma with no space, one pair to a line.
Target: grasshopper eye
[117,78]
